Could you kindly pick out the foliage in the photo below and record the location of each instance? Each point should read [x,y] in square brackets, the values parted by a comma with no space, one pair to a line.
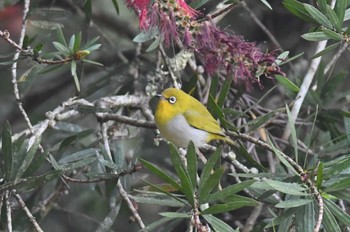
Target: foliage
[84,150]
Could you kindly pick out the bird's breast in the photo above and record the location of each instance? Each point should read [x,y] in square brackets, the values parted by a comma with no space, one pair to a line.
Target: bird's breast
[178,131]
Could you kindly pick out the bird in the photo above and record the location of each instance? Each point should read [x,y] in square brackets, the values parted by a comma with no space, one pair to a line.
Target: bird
[181,118]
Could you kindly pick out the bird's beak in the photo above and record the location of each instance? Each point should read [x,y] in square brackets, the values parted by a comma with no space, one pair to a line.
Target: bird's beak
[155,100]
[160,96]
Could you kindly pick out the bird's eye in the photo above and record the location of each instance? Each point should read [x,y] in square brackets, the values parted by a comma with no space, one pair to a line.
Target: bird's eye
[172,99]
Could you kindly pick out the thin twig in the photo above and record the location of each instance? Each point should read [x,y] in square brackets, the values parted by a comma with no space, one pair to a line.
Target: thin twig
[28,213]
[251,220]
[8,210]
[262,26]
[120,187]
[14,66]
[125,119]
[304,88]
[95,180]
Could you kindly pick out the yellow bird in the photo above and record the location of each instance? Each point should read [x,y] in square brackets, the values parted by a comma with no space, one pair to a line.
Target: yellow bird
[181,118]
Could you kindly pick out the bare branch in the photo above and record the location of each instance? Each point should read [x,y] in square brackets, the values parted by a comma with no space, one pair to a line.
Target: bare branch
[28,213]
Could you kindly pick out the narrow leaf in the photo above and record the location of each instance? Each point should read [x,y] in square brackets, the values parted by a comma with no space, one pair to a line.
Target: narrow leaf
[318,16]
[224,91]
[337,212]
[192,164]
[61,48]
[7,149]
[339,185]
[209,166]
[222,208]
[315,36]
[228,191]
[160,173]
[186,186]
[293,203]
[326,50]
[329,223]
[288,84]
[210,184]
[28,158]
[288,188]
[175,215]
[217,224]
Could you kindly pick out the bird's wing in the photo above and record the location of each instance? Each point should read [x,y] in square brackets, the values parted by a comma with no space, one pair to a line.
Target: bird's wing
[203,121]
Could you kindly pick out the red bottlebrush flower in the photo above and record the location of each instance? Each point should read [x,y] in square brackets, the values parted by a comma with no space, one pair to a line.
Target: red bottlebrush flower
[141,9]
[168,27]
[187,9]
[220,50]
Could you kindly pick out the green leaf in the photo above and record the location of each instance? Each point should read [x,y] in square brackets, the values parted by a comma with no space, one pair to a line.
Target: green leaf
[293,203]
[291,126]
[282,57]
[326,50]
[208,167]
[217,224]
[222,208]
[289,213]
[175,215]
[156,224]
[305,218]
[28,158]
[176,160]
[116,6]
[340,8]
[7,149]
[74,138]
[332,34]
[228,191]
[92,62]
[288,188]
[145,36]
[210,184]
[298,9]
[318,16]
[160,174]
[60,37]
[224,91]
[214,109]
[157,199]
[339,213]
[319,175]
[315,36]
[281,158]
[73,70]
[32,183]
[71,43]
[192,164]
[61,48]
[329,223]
[77,164]
[78,156]
[334,19]
[341,184]
[154,44]
[256,123]
[167,193]
[286,83]
[186,186]
[77,42]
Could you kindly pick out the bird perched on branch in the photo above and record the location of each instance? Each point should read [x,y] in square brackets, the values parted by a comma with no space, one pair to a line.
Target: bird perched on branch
[181,118]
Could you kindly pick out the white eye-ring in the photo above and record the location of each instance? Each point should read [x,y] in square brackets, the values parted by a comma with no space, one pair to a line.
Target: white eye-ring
[172,99]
